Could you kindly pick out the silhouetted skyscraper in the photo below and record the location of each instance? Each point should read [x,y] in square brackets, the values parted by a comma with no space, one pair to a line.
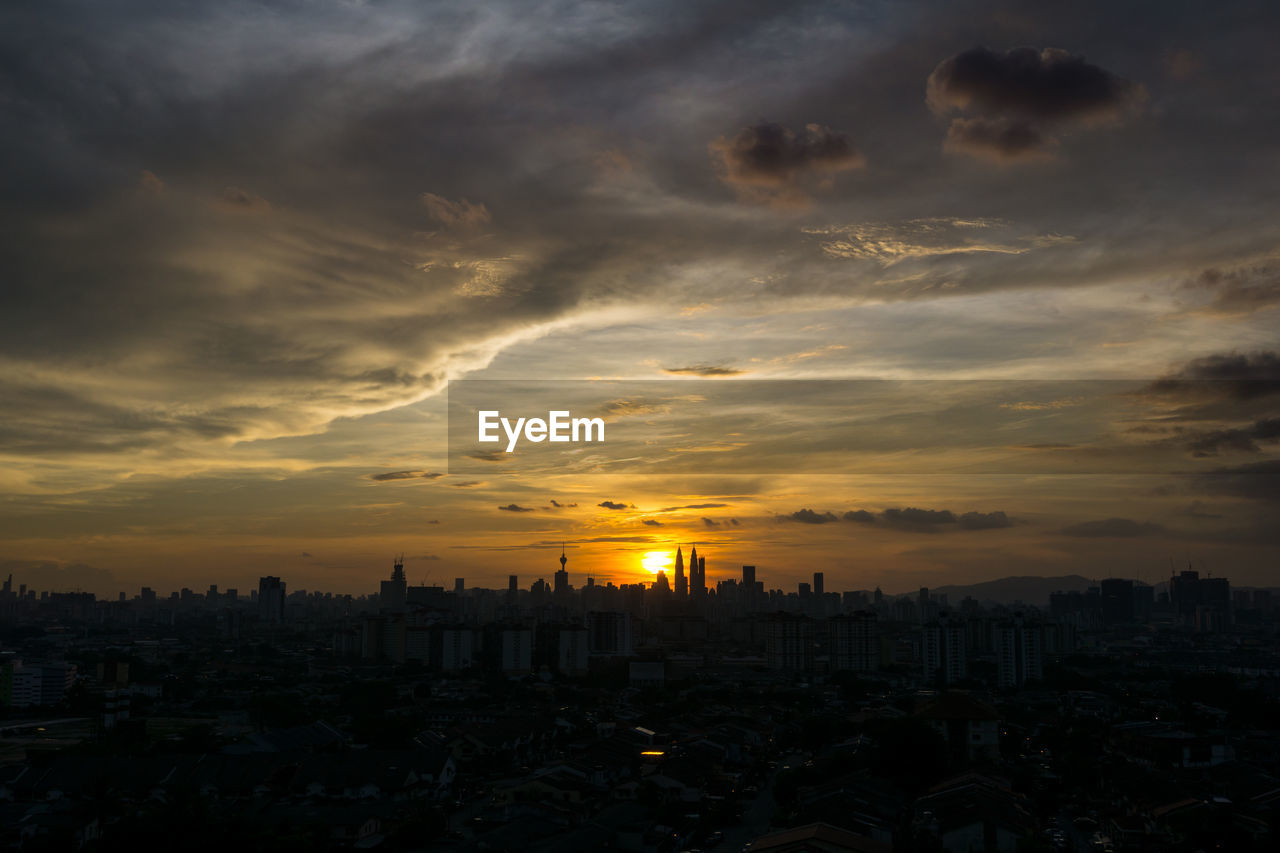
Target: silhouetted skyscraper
[1018,653]
[392,594]
[855,644]
[818,587]
[562,576]
[943,651]
[271,599]
[698,578]
[1117,601]
[788,642]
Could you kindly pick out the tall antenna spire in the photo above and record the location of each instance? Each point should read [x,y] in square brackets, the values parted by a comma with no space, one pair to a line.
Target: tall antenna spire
[563,558]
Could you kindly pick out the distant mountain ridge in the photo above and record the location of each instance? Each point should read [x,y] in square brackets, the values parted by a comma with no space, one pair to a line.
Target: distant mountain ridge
[1025,588]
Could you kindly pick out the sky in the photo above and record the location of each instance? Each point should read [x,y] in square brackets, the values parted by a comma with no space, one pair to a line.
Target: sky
[246,246]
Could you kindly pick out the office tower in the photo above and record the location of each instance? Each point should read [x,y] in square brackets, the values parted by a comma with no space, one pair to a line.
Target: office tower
[855,644]
[393,594]
[561,647]
[513,588]
[788,642]
[1184,594]
[698,579]
[1144,599]
[452,648]
[1215,599]
[271,599]
[609,633]
[943,652]
[749,577]
[513,654]
[804,590]
[1117,601]
[1202,603]
[819,586]
[1018,652]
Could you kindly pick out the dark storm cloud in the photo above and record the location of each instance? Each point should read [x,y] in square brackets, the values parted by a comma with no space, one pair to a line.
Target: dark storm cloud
[1229,376]
[914,518]
[1013,96]
[775,163]
[710,522]
[703,370]
[613,505]
[1258,481]
[406,475]
[1119,528]
[998,138]
[652,522]
[983,520]
[1243,440]
[1220,403]
[1049,84]
[516,508]
[808,516]
[918,520]
[1242,290]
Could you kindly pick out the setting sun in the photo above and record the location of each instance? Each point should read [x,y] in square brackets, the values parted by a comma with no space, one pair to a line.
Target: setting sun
[656,561]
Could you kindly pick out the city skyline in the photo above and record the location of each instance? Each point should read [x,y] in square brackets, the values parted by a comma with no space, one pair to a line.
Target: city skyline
[664,574]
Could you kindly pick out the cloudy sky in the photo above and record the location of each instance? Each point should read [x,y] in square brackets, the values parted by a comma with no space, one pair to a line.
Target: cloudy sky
[246,245]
